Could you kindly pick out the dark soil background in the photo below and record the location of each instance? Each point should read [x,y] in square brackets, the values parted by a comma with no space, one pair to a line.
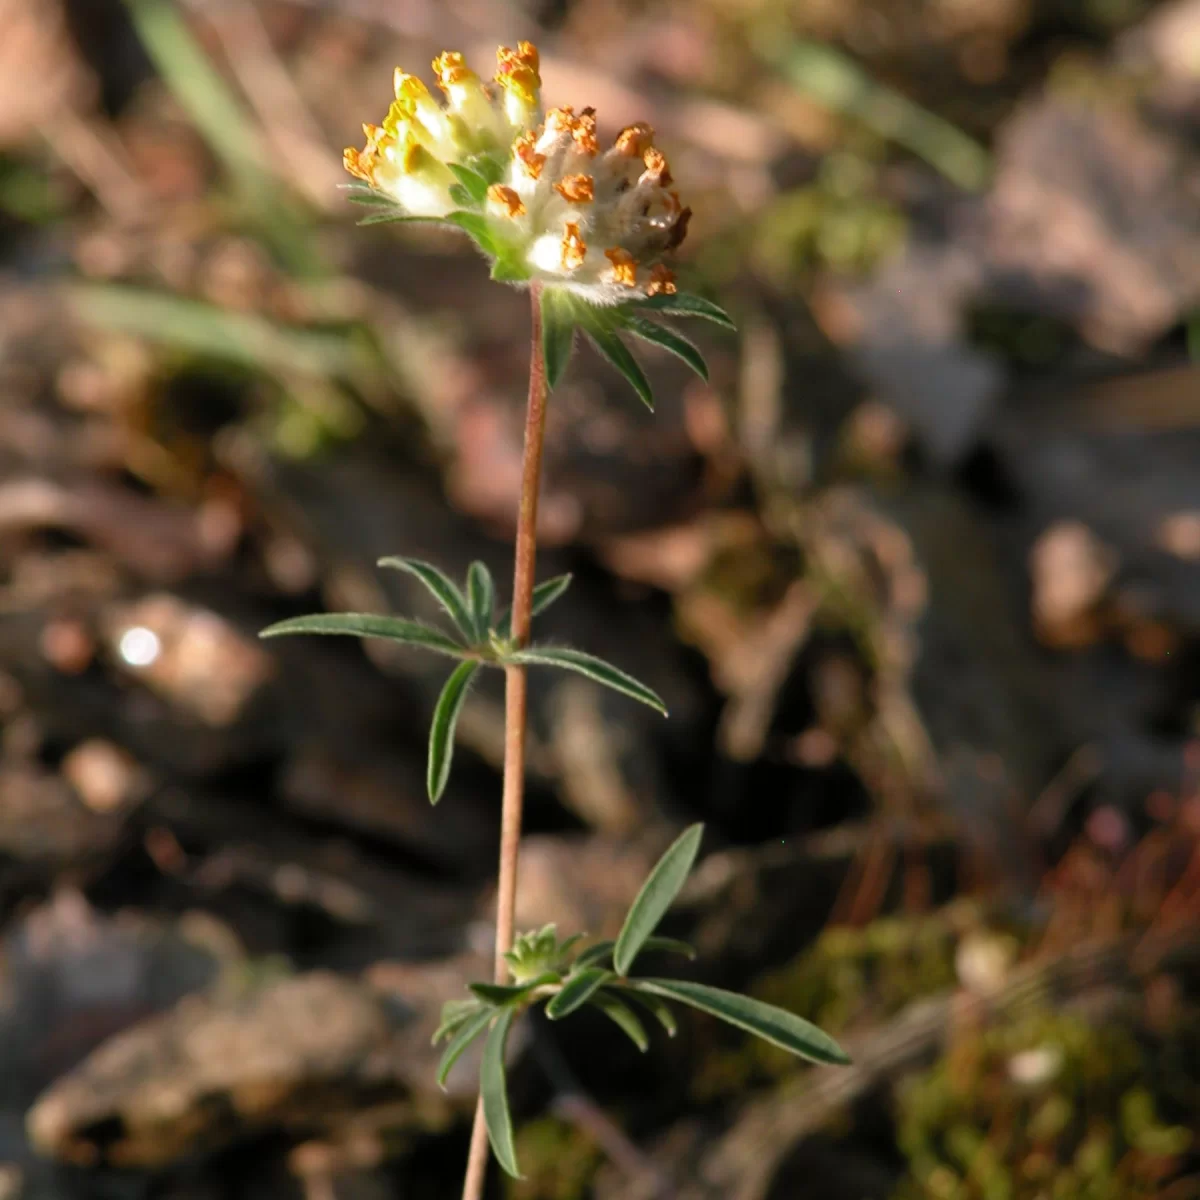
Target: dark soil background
[917,573]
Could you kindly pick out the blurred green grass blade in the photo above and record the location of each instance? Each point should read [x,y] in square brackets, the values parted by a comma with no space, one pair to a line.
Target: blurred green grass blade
[198,86]
[839,83]
[225,126]
[244,338]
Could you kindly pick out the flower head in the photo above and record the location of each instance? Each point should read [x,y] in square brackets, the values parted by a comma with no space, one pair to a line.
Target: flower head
[537,193]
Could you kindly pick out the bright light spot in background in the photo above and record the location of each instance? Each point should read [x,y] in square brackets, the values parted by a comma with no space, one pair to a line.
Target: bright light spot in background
[140,646]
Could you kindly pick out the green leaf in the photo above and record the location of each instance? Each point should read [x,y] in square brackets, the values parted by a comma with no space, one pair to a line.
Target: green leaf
[569,944]
[576,991]
[455,1014]
[621,1014]
[477,227]
[494,1092]
[471,181]
[443,589]
[600,951]
[558,333]
[683,304]
[460,195]
[657,1009]
[657,895]
[549,590]
[666,945]
[502,995]
[775,1025]
[466,1034]
[509,267]
[595,953]
[544,595]
[669,340]
[481,599]
[591,666]
[368,625]
[490,169]
[384,218]
[367,196]
[617,353]
[441,731]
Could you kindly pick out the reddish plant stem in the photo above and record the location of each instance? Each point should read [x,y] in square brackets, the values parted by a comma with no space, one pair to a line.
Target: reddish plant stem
[515,701]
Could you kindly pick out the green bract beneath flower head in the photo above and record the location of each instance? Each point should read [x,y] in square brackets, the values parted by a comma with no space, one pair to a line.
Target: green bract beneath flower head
[546,203]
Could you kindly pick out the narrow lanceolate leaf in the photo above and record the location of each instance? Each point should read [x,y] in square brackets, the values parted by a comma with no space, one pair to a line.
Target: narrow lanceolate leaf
[577,990]
[669,340]
[775,1025]
[444,590]
[683,304]
[591,666]
[493,1090]
[387,216]
[623,1016]
[369,625]
[501,994]
[481,599]
[466,1034]
[544,595]
[441,731]
[455,1014]
[595,953]
[600,951]
[558,333]
[657,1009]
[377,199]
[657,895]
[618,355]
[666,945]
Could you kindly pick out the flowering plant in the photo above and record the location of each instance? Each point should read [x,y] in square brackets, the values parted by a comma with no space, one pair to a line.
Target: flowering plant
[542,201]
[588,233]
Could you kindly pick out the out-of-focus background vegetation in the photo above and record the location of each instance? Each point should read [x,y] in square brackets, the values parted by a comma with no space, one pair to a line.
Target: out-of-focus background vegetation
[918,575]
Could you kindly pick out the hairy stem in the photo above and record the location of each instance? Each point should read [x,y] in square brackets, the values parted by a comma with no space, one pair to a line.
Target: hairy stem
[515,696]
